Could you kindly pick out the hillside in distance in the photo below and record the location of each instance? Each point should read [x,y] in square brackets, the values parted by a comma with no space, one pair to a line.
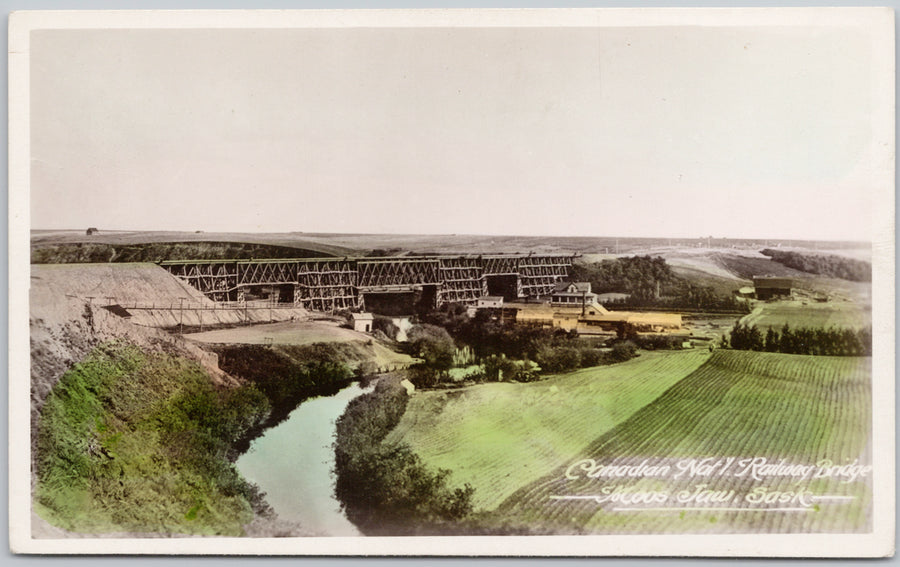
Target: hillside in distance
[338,244]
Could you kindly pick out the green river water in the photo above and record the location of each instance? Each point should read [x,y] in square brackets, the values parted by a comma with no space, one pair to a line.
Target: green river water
[293,464]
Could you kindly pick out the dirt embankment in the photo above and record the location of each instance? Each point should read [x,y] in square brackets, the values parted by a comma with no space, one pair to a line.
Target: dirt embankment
[69,318]
[150,295]
[356,348]
[66,323]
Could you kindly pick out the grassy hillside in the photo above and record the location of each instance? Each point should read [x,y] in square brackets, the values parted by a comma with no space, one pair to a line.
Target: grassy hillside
[803,409]
[500,436]
[117,238]
[94,252]
[136,442]
[350,244]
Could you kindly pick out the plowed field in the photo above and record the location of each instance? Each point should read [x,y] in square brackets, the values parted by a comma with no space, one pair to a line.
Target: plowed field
[772,427]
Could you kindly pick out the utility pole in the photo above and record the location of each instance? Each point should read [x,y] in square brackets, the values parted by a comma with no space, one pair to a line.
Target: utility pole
[180,315]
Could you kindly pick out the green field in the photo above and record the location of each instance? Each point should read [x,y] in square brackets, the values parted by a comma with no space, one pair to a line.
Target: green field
[501,436]
[816,315]
[739,404]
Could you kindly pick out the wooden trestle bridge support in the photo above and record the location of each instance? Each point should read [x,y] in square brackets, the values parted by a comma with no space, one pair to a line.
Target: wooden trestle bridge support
[328,284]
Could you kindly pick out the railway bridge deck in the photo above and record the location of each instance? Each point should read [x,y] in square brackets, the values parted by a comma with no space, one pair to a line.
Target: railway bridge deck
[325,284]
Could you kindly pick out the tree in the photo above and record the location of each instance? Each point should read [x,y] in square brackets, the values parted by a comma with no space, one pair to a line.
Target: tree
[433,344]
[772,340]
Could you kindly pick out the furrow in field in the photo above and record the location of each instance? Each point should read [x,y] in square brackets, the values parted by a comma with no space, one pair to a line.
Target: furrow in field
[743,405]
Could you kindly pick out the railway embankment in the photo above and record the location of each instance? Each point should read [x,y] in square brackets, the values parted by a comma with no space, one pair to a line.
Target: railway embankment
[148,296]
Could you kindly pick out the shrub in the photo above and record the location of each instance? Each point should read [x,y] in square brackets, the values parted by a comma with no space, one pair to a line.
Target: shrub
[433,344]
[499,368]
[558,359]
[386,326]
[385,488]
[622,351]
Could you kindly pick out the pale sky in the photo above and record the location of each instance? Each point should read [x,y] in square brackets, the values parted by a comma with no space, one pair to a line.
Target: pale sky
[669,131]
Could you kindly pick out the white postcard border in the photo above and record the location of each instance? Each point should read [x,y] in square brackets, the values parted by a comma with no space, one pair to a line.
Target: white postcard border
[879,543]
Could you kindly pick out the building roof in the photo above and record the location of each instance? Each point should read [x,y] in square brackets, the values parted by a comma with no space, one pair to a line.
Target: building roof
[773,282]
[491,298]
[362,316]
[580,287]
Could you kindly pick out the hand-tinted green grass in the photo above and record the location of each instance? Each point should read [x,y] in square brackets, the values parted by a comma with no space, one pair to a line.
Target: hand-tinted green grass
[137,442]
[500,436]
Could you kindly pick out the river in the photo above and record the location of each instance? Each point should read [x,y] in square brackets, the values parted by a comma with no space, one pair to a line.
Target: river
[293,462]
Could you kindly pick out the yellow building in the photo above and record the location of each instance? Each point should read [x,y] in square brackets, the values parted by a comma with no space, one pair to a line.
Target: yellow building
[594,319]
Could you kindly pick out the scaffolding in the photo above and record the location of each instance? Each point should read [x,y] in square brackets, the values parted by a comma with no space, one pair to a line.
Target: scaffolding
[330,284]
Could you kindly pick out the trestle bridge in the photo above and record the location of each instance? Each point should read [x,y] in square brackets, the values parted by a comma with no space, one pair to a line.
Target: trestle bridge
[327,284]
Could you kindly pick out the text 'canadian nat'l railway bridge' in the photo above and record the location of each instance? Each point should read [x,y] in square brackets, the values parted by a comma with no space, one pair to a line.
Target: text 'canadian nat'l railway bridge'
[325,284]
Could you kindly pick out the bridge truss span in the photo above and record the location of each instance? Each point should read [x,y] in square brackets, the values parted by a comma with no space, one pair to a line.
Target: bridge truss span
[328,284]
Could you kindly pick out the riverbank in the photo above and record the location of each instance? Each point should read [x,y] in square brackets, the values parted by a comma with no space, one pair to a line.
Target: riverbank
[384,488]
[131,441]
[134,430]
[138,442]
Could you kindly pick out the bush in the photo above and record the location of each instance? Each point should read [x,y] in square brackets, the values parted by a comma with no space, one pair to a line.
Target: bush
[433,344]
[287,375]
[654,342]
[423,376]
[558,359]
[386,326]
[499,368]
[385,489]
[623,351]
[591,357]
[365,368]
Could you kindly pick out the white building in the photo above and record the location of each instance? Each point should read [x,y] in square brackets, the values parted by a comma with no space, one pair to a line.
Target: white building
[573,294]
[362,322]
[489,301]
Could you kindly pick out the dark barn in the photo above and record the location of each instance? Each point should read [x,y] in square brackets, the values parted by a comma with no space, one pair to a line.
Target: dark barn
[767,287]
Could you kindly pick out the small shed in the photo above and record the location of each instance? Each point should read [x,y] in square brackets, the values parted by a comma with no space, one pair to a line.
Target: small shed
[362,322]
[409,386]
[490,301]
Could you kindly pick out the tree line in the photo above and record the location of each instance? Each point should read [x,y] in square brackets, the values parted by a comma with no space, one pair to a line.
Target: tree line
[823,264]
[651,282]
[803,340]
